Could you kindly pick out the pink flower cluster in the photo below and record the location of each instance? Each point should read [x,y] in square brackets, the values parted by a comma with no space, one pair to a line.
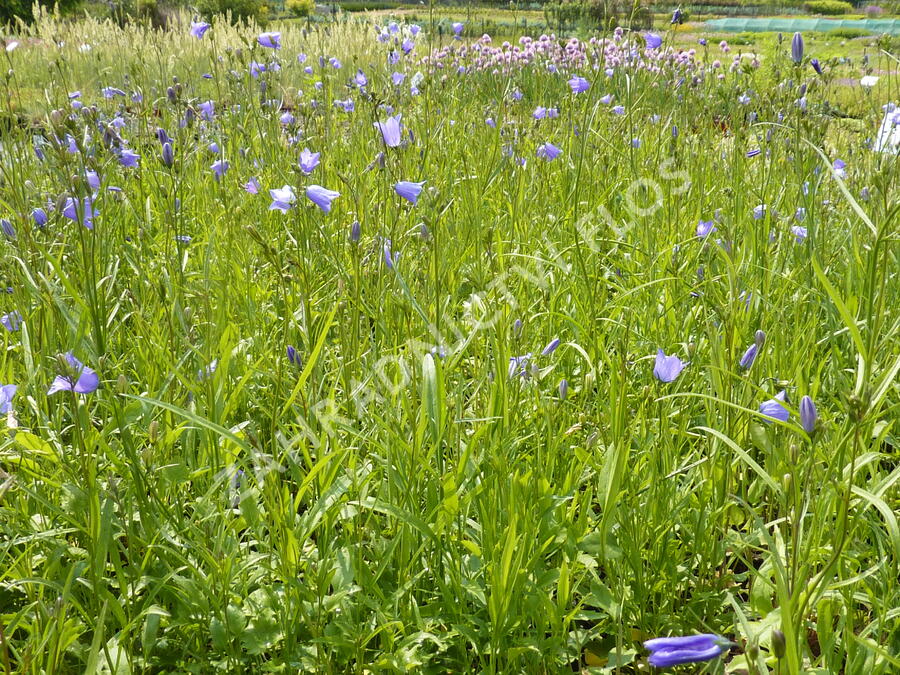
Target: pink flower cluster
[554,54]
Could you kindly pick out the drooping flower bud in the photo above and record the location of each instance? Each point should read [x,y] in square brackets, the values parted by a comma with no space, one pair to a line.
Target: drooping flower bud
[749,356]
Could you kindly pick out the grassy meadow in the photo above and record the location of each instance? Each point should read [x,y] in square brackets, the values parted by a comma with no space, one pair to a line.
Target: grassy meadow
[360,349]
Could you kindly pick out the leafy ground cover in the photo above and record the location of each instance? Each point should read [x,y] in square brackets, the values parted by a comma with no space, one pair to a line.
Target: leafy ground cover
[357,348]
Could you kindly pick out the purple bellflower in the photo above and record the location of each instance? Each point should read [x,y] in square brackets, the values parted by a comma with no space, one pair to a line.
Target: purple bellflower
[653,40]
[270,40]
[409,190]
[548,151]
[674,651]
[78,378]
[7,391]
[579,85]
[774,409]
[308,161]
[667,368]
[199,28]
[283,198]
[390,131]
[321,197]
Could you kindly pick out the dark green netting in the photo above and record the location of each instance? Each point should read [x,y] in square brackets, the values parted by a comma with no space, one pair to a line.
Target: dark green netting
[788,25]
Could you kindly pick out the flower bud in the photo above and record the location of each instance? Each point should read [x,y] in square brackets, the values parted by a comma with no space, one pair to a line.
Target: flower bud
[589,381]
[857,407]
[551,347]
[797,48]
[749,356]
[778,644]
[808,414]
[293,356]
[753,650]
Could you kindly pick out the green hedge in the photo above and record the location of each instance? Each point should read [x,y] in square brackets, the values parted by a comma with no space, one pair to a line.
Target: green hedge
[366,6]
[849,33]
[10,10]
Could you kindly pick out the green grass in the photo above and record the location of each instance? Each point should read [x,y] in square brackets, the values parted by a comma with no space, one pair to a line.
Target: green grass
[398,502]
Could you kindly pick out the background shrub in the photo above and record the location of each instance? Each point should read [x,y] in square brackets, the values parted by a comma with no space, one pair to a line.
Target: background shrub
[828,7]
[564,13]
[602,14]
[741,39]
[159,13]
[301,7]
[239,9]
